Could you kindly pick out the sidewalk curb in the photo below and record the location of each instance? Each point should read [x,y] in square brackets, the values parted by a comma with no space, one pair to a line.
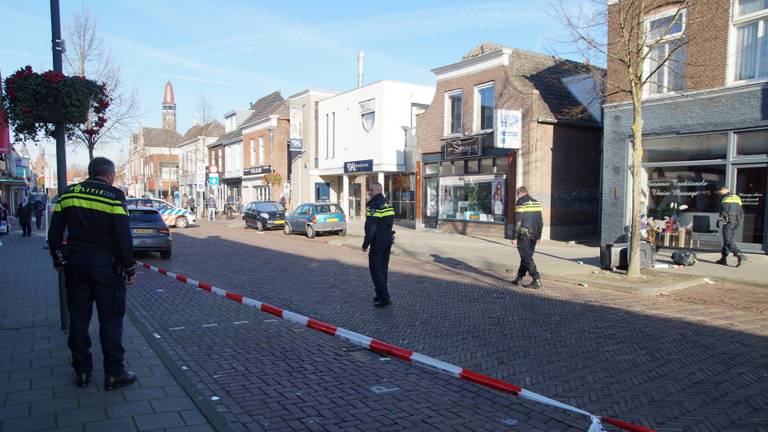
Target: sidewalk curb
[214,417]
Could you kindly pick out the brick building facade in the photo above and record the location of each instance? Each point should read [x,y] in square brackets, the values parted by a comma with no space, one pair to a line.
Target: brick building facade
[502,118]
[707,126]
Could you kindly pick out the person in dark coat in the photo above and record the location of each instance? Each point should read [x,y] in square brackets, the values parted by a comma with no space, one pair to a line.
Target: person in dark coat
[731,215]
[24,215]
[379,236]
[39,209]
[528,227]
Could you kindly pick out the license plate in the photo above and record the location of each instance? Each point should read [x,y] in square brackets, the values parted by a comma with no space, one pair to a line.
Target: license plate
[279,222]
[143,231]
[332,220]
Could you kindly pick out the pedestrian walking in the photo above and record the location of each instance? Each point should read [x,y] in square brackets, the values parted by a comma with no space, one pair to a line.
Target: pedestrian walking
[379,236]
[24,216]
[210,204]
[191,204]
[97,263]
[528,226]
[39,208]
[731,215]
[184,201]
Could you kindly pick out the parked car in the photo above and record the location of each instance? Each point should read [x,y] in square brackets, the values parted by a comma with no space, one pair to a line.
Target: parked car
[264,215]
[149,231]
[313,218]
[172,215]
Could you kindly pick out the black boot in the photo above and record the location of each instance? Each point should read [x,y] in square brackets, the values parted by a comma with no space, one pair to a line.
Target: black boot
[535,284]
[518,280]
[83,379]
[741,259]
[722,261]
[115,382]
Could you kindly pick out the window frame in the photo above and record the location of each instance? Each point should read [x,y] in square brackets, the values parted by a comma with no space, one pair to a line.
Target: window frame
[448,114]
[761,17]
[666,39]
[477,119]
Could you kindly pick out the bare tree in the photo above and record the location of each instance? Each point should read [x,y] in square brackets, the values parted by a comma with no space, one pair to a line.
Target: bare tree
[634,49]
[205,114]
[87,56]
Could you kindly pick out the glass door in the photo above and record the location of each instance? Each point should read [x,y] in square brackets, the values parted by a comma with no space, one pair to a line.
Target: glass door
[355,196]
[430,201]
[751,184]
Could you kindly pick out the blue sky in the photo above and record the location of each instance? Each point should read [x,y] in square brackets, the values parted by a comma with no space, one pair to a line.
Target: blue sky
[234,52]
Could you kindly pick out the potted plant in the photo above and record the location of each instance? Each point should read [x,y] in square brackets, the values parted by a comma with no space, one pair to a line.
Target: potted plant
[33,102]
[272,178]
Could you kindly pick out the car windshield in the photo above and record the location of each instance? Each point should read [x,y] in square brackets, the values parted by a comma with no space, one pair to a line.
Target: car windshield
[144,216]
[269,207]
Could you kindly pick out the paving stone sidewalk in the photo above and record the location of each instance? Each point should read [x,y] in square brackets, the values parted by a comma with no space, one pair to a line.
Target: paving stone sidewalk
[37,391]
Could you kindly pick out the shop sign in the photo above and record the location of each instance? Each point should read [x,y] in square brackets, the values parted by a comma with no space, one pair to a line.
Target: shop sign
[751,199]
[508,128]
[213,179]
[462,147]
[263,169]
[296,144]
[682,188]
[358,166]
[497,196]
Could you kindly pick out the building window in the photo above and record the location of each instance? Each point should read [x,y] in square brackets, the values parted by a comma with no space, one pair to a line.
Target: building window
[327,135]
[168,171]
[666,41]
[682,192]
[754,143]
[685,148]
[453,112]
[751,45]
[253,152]
[484,107]
[261,150]
[473,198]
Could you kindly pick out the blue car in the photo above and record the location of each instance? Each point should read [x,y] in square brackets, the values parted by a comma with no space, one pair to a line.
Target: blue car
[313,218]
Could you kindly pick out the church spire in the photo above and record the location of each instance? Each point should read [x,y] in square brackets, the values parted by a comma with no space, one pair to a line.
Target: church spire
[169,108]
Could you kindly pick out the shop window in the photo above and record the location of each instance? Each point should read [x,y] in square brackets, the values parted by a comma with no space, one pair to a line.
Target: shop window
[472,166]
[751,45]
[678,192]
[685,148]
[666,43]
[752,143]
[472,198]
[431,169]
[446,168]
[486,166]
[458,167]
[501,165]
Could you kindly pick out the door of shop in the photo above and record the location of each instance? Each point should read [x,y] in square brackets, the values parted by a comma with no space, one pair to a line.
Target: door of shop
[355,201]
[430,202]
[751,183]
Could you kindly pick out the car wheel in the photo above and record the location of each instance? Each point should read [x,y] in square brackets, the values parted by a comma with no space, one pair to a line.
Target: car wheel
[287,229]
[259,225]
[165,254]
[343,232]
[311,231]
[181,222]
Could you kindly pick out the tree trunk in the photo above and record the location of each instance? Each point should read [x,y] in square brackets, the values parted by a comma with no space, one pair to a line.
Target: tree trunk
[90,153]
[637,158]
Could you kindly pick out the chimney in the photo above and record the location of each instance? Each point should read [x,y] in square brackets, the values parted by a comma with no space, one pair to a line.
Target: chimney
[360,67]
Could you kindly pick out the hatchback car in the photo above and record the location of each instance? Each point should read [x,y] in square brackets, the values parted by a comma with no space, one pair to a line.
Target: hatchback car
[264,215]
[149,231]
[172,215]
[313,218]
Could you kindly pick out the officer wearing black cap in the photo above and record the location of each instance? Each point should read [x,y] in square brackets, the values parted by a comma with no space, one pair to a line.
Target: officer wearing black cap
[528,226]
[97,262]
[380,216]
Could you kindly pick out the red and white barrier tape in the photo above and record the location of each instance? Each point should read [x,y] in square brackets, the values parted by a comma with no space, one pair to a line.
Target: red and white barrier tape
[402,353]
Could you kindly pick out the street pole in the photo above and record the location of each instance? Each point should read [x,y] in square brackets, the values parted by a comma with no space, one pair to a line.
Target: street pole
[57,46]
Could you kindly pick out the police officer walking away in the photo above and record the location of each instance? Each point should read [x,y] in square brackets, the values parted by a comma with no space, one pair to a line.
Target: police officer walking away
[528,226]
[379,235]
[731,215]
[97,263]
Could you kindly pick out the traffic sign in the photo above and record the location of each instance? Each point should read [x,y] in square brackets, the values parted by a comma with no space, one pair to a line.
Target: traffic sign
[213,179]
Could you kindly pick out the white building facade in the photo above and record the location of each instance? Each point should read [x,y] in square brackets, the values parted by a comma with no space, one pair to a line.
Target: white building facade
[362,136]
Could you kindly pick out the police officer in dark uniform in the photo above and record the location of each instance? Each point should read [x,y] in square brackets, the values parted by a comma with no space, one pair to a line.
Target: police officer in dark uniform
[731,215]
[379,236]
[97,262]
[528,226]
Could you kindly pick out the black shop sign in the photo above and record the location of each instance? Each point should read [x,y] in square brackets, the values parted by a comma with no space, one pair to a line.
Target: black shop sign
[462,147]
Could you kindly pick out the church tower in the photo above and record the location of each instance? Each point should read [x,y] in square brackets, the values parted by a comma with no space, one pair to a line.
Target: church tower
[169,108]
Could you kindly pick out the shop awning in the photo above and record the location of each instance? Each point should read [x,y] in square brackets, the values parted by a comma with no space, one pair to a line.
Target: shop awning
[12,181]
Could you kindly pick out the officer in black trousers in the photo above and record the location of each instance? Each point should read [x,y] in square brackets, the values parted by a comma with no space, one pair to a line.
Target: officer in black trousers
[528,226]
[731,215]
[379,236]
[97,262]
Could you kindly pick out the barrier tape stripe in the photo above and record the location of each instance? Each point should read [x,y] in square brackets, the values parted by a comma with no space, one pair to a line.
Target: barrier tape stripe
[401,353]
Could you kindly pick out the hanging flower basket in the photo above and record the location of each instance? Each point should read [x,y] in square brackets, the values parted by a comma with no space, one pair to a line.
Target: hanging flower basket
[272,178]
[33,102]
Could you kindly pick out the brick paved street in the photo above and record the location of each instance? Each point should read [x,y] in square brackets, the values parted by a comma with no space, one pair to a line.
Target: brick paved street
[680,362]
